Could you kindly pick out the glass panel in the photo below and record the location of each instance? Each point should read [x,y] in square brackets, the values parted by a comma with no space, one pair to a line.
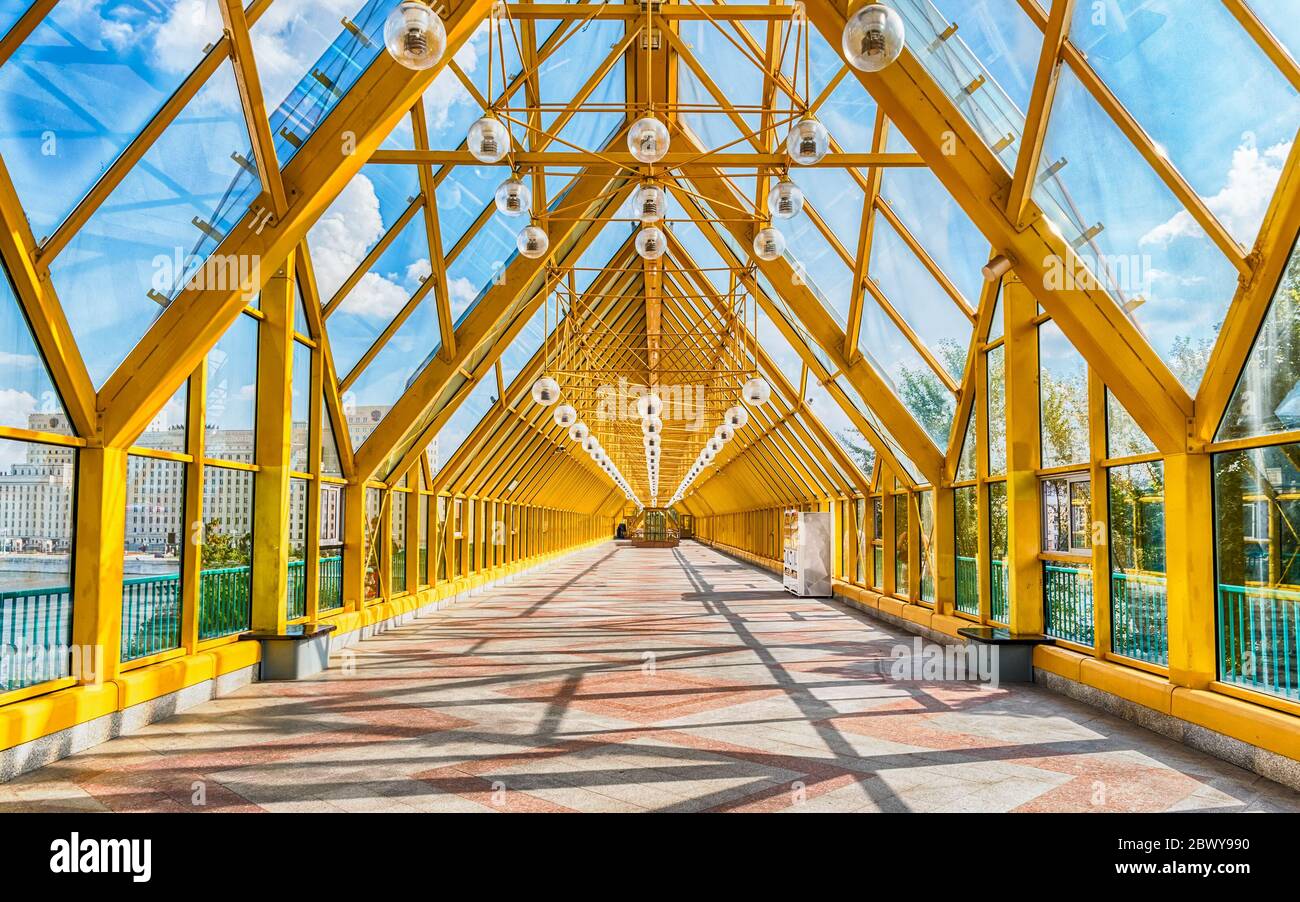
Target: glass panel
[84,84]
[232,393]
[296,595]
[1267,397]
[1138,599]
[468,415]
[225,580]
[422,537]
[397,531]
[999,595]
[1124,438]
[1225,119]
[151,571]
[1063,398]
[167,430]
[37,485]
[1256,510]
[156,228]
[997,401]
[860,511]
[966,531]
[1135,236]
[901,504]
[301,413]
[330,563]
[926,558]
[28,398]
[329,449]
[370,552]
[1066,514]
[966,462]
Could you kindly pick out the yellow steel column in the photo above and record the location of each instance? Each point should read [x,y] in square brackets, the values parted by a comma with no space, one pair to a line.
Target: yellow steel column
[1024,452]
[271,451]
[945,552]
[192,558]
[1189,563]
[97,562]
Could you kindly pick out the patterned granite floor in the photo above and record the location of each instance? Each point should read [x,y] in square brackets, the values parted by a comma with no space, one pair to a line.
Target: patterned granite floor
[640,679]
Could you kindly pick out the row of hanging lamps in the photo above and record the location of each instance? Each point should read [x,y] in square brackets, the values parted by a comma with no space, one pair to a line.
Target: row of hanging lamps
[756,392]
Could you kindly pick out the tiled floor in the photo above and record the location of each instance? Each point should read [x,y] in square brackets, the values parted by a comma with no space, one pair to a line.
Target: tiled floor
[631,679]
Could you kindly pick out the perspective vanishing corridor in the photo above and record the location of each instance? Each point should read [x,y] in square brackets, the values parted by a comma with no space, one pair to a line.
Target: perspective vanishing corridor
[588,687]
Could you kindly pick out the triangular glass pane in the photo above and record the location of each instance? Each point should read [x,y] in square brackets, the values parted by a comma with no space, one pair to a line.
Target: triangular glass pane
[1267,397]
[1124,438]
[330,465]
[300,312]
[966,462]
[28,398]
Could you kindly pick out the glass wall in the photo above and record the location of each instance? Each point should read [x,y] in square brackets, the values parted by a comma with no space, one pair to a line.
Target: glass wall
[37,485]
[901,544]
[1139,622]
[225,580]
[374,504]
[926,560]
[999,596]
[966,537]
[151,569]
[296,590]
[330,562]
[1257,616]
[397,548]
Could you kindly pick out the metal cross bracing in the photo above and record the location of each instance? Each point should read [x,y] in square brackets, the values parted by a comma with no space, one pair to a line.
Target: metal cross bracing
[672,324]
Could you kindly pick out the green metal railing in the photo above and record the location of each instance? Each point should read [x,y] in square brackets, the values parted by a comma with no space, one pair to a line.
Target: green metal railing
[331,583]
[225,601]
[1067,593]
[1259,639]
[295,599]
[35,636]
[398,570]
[151,615]
[968,586]
[999,602]
[1139,617]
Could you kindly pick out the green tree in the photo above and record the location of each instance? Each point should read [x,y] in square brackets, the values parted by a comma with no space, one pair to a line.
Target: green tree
[224,549]
[925,395]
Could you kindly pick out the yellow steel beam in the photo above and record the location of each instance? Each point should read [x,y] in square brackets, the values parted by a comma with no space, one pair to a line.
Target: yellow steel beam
[251,100]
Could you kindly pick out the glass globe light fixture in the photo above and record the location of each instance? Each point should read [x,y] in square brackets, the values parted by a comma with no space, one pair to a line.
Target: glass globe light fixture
[652,441]
[579,431]
[736,417]
[757,392]
[652,426]
[725,433]
[565,416]
[488,140]
[651,243]
[873,37]
[647,139]
[415,35]
[714,445]
[785,200]
[649,405]
[768,244]
[590,444]
[651,202]
[533,242]
[513,197]
[707,456]
[546,391]
[807,142]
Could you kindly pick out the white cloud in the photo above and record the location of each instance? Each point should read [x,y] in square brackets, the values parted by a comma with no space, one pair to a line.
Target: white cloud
[10,359]
[420,269]
[345,232]
[462,292]
[16,406]
[1241,202]
[376,297]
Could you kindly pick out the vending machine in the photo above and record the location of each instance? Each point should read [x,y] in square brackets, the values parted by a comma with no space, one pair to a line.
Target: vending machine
[808,545]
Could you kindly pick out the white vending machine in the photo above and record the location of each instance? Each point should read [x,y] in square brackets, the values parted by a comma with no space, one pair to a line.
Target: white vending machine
[808,548]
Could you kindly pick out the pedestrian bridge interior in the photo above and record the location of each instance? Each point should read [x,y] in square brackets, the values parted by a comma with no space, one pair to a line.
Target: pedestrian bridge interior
[490,348]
